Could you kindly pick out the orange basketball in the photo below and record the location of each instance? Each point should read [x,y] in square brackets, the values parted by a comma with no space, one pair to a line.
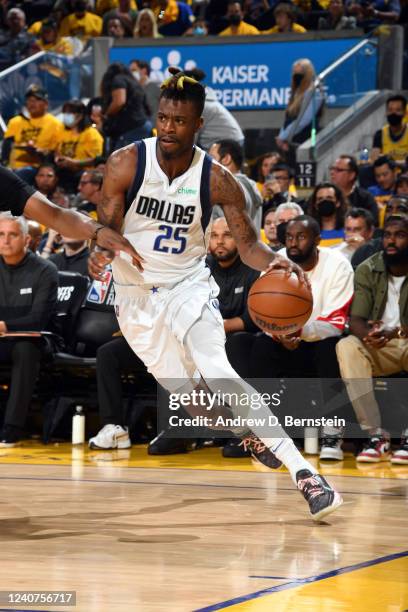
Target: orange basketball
[279,303]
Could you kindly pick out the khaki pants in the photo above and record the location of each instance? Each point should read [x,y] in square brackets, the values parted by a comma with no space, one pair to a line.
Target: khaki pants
[358,364]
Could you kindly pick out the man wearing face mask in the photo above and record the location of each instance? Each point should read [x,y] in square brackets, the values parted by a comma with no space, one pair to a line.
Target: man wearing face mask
[392,139]
[141,71]
[237,27]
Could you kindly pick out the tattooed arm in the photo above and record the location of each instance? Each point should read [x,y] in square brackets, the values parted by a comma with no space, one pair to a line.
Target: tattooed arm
[226,191]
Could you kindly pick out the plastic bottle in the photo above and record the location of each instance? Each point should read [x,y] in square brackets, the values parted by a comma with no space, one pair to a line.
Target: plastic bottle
[78,426]
[364,156]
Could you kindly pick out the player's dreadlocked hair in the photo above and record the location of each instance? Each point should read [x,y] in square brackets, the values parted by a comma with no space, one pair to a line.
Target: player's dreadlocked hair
[179,86]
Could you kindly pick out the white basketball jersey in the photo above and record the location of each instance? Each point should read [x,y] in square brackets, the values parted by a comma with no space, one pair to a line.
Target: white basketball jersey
[165,222]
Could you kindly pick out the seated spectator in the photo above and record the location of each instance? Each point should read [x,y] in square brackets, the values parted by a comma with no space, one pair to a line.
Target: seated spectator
[146,26]
[285,213]
[328,206]
[49,39]
[392,139]
[378,341]
[395,206]
[372,14]
[79,144]
[81,23]
[29,139]
[141,71]
[285,17]
[72,257]
[219,123]
[123,106]
[265,165]
[104,7]
[15,43]
[358,230]
[229,153]
[276,189]
[336,19]
[305,106]
[125,10]
[401,185]
[90,190]
[344,174]
[385,173]
[269,230]
[28,295]
[117,28]
[46,180]
[35,232]
[173,18]
[237,27]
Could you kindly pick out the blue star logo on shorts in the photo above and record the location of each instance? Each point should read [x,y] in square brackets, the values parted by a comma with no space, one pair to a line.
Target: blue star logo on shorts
[154,289]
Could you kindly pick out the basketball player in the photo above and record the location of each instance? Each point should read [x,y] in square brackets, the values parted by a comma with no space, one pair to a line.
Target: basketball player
[18,198]
[160,192]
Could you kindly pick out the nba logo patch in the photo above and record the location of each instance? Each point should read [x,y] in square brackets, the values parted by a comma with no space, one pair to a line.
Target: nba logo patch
[117,310]
[99,289]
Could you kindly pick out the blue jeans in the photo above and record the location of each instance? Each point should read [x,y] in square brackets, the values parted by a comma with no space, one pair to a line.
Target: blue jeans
[127,138]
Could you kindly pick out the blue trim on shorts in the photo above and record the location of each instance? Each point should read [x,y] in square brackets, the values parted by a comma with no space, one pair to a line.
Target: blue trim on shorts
[139,176]
[205,199]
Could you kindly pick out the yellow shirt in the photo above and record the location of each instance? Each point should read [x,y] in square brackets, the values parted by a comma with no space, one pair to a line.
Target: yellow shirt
[306,5]
[295,28]
[42,132]
[63,46]
[103,6]
[397,149]
[86,27]
[244,29]
[170,14]
[35,28]
[79,146]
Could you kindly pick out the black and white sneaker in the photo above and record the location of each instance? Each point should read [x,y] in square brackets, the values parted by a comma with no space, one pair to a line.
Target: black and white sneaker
[320,496]
[260,451]
[330,448]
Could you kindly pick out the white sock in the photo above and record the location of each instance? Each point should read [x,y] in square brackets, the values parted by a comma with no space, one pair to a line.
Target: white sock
[286,451]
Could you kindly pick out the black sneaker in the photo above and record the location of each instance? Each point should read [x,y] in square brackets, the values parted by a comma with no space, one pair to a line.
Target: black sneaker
[161,445]
[330,448]
[234,449]
[10,436]
[320,496]
[260,451]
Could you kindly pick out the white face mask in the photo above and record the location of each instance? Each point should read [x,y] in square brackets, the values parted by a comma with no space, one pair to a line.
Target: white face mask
[136,74]
[68,119]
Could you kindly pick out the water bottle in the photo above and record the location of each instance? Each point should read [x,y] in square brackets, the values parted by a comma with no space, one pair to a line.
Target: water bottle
[78,426]
[364,156]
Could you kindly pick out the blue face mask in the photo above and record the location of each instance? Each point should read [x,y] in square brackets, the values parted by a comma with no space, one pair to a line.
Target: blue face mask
[68,119]
[199,31]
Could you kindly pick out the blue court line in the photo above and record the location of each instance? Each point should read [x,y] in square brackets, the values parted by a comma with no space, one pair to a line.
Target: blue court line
[187,484]
[291,585]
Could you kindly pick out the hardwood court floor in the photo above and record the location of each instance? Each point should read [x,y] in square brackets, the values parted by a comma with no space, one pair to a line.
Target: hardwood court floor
[197,532]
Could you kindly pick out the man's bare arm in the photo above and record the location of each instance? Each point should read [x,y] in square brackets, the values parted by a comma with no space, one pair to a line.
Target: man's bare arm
[119,173]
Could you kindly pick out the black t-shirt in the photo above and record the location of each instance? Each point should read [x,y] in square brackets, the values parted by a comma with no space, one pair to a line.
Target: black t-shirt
[73,263]
[133,114]
[361,198]
[14,192]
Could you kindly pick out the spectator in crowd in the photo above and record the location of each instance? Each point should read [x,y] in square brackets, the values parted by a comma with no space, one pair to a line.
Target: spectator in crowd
[90,190]
[50,40]
[328,206]
[285,213]
[265,165]
[237,27]
[125,10]
[336,19]
[277,187]
[378,340]
[229,153]
[73,256]
[173,18]
[46,180]
[141,71]
[305,106]
[117,28]
[104,7]
[35,233]
[397,205]
[146,26]
[372,14]
[344,174]
[385,173]
[392,139]
[219,123]
[123,107]
[401,185]
[31,135]
[94,110]
[358,230]
[81,22]
[269,230]
[15,43]
[28,296]
[285,17]
[79,144]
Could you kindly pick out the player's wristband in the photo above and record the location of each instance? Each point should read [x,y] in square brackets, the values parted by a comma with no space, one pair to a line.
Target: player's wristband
[95,234]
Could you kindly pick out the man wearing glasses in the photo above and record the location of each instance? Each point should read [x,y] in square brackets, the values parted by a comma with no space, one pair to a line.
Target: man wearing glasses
[344,174]
[90,191]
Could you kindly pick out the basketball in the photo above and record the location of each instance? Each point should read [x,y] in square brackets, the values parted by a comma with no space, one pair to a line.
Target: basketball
[279,303]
